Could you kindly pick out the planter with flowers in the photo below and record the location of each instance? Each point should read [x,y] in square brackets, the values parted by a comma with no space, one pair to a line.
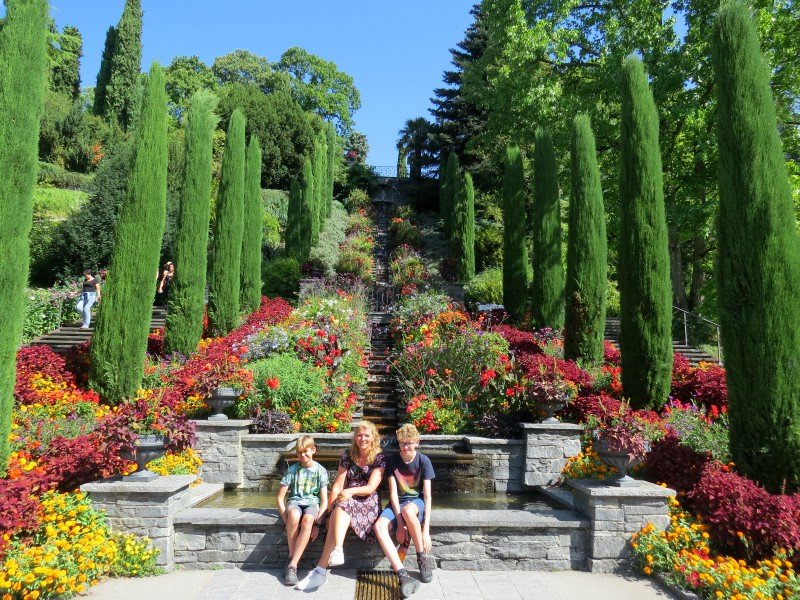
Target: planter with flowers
[621,445]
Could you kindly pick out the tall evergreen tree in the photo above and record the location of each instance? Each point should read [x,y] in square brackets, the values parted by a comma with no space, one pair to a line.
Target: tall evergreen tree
[464,229]
[330,138]
[759,261]
[450,191]
[184,326]
[306,208]
[644,282]
[547,293]
[65,74]
[313,200]
[586,284]
[120,339]
[101,86]
[402,165]
[294,221]
[321,182]
[253,229]
[123,78]
[23,41]
[224,280]
[515,249]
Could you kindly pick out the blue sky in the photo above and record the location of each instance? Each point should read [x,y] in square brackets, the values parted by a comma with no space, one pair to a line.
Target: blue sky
[395,51]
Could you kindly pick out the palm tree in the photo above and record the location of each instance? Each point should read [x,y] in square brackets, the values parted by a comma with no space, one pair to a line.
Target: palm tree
[415,138]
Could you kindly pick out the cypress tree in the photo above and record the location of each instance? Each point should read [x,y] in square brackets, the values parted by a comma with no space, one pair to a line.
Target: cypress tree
[100,88]
[184,326]
[223,293]
[464,229]
[443,191]
[312,199]
[451,190]
[330,134]
[123,77]
[65,73]
[294,219]
[321,175]
[253,229]
[515,250]
[585,317]
[759,261]
[644,282]
[120,339]
[306,208]
[23,41]
[547,294]
[402,166]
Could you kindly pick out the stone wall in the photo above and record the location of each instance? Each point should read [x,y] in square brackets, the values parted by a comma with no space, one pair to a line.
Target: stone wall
[462,539]
[219,445]
[548,446]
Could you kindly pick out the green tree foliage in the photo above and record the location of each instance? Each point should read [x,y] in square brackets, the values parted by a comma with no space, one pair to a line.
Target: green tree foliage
[185,76]
[122,87]
[282,128]
[320,184]
[357,147]
[120,339]
[314,200]
[253,229]
[64,53]
[449,192]
[586,283]
[306,208]
[101,86]
[547,293]
[415,138]
[319,86]
[644,282]
[184,326]
[332,144]
[294,222]
[464,228]
[23,57]
[515,248]
[402,161]
[224,276]
[759,262]
[245,68]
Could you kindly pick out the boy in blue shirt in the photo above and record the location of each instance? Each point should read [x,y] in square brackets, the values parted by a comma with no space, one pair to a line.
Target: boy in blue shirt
[409,511]
[306,482]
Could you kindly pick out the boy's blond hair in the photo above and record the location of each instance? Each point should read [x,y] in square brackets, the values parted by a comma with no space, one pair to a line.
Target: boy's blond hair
[304,442]
[408,432]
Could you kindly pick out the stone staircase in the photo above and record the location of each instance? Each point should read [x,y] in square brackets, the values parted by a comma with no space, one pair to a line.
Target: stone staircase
[693,355]
[67,336]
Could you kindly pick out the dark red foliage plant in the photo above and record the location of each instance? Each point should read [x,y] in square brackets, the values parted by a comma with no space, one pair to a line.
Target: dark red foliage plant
[676,465]
[520,342]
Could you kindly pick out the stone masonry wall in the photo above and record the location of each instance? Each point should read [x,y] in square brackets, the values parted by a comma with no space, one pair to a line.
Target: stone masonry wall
[547,449]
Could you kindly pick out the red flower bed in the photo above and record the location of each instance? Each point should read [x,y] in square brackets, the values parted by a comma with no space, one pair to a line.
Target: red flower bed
[520,342]
[38,361]
[544,367]
[678,466]
[704,385]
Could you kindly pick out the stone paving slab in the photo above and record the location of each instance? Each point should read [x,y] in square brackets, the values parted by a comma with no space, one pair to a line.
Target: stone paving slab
[236,584]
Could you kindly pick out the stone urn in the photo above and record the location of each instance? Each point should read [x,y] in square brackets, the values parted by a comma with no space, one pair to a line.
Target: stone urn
[621,461]
[148,447]
[220,399]
[551,407]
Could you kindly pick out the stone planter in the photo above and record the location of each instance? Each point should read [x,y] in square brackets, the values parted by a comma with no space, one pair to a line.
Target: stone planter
[220,399]
[550,408]
[148,447]
[621,461]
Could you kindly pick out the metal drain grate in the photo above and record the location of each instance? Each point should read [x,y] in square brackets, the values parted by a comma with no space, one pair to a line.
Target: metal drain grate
[377,585]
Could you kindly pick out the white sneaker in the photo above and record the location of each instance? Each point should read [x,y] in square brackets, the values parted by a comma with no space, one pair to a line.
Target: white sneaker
[312,581]
[337,557]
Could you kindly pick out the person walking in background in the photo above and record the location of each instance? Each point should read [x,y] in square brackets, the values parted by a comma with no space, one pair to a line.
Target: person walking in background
[164,284]
[88,297]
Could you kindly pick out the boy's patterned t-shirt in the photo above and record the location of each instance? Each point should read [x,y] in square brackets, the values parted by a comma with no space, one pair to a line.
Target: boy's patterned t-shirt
[410,476]
[305,483]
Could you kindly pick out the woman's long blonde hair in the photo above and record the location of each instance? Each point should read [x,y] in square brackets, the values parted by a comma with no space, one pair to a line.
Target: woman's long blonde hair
[376,442]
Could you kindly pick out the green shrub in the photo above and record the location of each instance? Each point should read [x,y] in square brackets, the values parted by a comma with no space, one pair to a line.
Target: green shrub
[404,231]
[45,309]
[276,203]
[612,300]
[271,237]
[280,382]
[325,254]
[56,203]
[488,245]
[357,198]
[359,176]
[485,288]
[56,176]
[355,262]
[281,277]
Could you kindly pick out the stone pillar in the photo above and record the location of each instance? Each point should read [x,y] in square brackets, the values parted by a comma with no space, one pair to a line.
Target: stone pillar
[616,513]
[219,444]
[144,508]
[547,448]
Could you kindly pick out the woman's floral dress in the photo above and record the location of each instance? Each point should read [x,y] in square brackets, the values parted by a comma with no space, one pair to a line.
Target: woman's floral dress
[363,510]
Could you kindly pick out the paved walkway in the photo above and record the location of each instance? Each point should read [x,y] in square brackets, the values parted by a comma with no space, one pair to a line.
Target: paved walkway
[234,584]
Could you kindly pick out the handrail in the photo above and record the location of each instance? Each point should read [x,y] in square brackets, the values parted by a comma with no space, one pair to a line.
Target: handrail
[696,316]
[686,315]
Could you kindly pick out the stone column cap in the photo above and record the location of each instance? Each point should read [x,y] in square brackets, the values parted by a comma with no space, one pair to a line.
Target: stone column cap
[222,425]
[533,427]
[599,489]
[167,484]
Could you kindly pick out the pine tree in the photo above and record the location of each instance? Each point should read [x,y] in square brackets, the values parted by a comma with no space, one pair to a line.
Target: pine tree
[759,261]
[451,189]
[123,77]
[253,229]
[23,41]
[330,134]
[464,229]
[223,293]
[547,294]
[586,284]
[306,208]
[294,219]
[101,87]
[644,282]
[120,339]
[515,250]
[65,74]
[402,166]
[184,326]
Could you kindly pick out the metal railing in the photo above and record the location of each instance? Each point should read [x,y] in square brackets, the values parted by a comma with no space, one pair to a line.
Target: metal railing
[384,171]
[698,329]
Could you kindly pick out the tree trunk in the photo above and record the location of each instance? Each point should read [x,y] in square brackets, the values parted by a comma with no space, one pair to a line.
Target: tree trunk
[676,269]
